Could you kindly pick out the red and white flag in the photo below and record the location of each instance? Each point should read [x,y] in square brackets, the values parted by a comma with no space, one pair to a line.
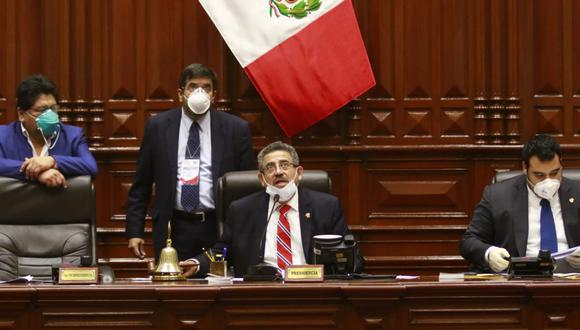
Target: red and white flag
[306,58]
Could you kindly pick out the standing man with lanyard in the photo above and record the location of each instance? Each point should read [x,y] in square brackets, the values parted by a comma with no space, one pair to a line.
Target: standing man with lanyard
[184,151]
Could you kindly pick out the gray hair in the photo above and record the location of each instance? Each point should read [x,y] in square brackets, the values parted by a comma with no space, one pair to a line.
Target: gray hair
[278,146]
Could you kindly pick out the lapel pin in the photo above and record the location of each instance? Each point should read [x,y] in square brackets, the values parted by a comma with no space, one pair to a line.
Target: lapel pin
[307,215]
[571,200]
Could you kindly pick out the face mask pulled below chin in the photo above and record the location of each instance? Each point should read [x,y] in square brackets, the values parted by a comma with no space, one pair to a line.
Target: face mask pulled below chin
[199,101]
[285,193]
[547,188]
[48,122]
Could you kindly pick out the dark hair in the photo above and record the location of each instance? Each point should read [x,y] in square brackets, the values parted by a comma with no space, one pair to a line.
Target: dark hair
[197,70]
[30,89]
[278,146]
[542,146]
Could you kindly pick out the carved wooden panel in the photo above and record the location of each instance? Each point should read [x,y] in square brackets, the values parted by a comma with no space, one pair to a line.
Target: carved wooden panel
[414,193]
[452,76]
[330,305]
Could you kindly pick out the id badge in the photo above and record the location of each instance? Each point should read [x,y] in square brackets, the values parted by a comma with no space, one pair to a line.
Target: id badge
[190,171]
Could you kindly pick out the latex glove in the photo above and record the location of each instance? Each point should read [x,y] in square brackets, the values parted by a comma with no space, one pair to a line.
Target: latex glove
[574,258]
[497,259]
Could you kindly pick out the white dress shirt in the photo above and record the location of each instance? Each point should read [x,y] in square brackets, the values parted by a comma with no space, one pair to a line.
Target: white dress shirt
[534,210]
[205,174]
[45,147]
[293,216]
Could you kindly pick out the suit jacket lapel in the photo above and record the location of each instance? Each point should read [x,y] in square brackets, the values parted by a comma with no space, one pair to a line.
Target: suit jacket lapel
[171,144]
[217,145]
[568,210]
[521,215]
[306,218]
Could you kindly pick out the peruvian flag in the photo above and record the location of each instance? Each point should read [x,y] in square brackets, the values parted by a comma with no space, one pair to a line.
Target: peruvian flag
[306,58]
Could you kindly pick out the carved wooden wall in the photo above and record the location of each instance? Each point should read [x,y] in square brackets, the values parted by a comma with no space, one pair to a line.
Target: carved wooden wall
[460,85]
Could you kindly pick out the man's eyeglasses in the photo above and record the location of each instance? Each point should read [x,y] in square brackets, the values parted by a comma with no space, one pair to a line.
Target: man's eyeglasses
[38,111]
[207,88]
[270,168]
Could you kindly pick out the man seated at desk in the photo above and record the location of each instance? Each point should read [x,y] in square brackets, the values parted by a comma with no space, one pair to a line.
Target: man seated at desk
[298,215]
[521,215]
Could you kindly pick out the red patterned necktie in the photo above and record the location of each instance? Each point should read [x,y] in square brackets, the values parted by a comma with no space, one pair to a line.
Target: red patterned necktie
[283,239]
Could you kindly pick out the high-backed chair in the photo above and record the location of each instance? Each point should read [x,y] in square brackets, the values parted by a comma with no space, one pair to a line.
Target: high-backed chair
[570,173]
[41,226]
[235,185]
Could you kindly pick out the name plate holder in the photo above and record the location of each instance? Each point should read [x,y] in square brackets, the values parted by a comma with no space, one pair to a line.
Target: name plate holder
[304,273]
[78,275]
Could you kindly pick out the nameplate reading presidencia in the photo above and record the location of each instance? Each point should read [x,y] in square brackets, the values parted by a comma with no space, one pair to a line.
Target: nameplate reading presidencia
[78,275]
[304,273]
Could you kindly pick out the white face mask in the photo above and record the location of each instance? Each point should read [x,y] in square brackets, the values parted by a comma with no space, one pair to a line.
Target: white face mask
[547,188]
[285,193]
[199,101]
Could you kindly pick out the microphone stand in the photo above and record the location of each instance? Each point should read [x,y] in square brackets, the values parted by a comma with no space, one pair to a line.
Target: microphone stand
[263,271]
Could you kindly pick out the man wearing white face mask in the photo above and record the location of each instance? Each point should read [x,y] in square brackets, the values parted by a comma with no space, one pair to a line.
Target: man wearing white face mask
[299,214]
[520,216]
[183,152]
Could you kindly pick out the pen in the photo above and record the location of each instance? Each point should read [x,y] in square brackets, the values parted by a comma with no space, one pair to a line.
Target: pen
[209,256]
[225,251]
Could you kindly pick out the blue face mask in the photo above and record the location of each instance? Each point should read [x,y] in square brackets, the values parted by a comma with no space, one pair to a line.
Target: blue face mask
[47,122]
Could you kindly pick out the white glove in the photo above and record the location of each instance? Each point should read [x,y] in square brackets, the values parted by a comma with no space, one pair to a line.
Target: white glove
[497,259]
[574,259]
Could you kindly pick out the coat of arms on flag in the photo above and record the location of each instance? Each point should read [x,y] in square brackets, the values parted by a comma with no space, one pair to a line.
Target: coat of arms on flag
[316,50]
[290,8]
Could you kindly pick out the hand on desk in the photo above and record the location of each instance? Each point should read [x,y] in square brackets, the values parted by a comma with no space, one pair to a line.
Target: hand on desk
[498,259]
[189,267]
[574,259]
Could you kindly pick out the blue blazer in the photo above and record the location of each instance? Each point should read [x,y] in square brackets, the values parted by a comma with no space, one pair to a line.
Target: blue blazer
[231,150]
[70,151]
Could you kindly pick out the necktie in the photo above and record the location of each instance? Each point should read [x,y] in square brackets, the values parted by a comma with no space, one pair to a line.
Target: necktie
[283,239]
[190,190]
[548,240]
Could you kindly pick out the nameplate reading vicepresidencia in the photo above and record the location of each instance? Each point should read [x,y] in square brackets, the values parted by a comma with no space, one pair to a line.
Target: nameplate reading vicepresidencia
[78,275]
[304,273]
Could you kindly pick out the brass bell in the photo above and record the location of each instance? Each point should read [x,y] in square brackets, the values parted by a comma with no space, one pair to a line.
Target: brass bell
[168,267]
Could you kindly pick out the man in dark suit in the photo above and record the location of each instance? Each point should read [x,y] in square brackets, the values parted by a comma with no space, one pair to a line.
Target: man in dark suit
[184,151]
[520,216]
[298,215]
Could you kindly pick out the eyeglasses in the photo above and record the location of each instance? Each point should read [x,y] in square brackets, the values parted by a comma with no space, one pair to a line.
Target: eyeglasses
[35,112]
[207,88]
[270,168]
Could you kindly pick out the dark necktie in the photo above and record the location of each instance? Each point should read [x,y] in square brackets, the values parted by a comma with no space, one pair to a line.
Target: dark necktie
[548,239]
[190,189]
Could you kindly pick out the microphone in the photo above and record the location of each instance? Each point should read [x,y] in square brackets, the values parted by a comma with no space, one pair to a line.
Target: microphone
[263,271]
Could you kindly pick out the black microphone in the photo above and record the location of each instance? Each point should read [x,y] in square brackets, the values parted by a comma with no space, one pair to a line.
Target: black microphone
[263,271]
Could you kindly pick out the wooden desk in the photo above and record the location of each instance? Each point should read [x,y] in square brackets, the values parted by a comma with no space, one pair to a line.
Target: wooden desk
[329,305]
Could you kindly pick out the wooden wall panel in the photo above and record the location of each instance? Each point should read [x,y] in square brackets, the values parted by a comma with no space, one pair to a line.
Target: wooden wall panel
[460,85]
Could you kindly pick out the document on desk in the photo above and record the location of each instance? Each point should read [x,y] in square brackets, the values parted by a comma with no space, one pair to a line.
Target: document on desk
[562,266]
[563,254]
[25,279]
